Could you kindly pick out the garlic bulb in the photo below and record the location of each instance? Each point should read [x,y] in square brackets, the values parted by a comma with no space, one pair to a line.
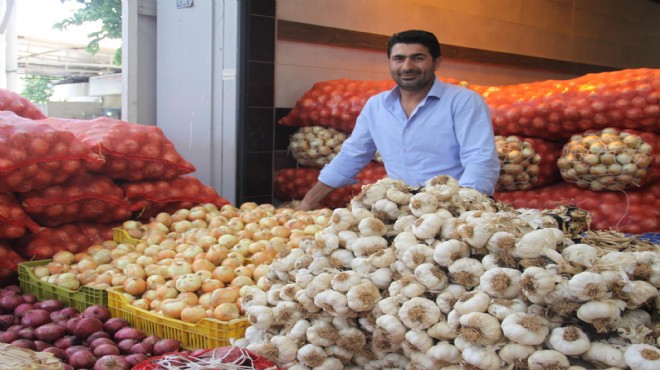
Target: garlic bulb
[639,292]
[427,226]
[443,354]
[282,349]
[311,355]
[605,354]
[299,329]
[537,243]
[419,313]
[352,339]
[569,340]
[343,281]
[642,357]
[418,340]
[390,305]
[479,328]
[587,286]
[516,354]
[330,363]
[479,357]
[448,251]
[371,226]
[580,254]
[601,314]
[341,219]
[525,328]
[444,187]
[466,271]
[386,209]
[423,203]
[476,234]
[342,354]
[332,302]
[536,282]
[260,317]
[322,333]
[398,192]
[448,297]
[474,301]
[367,245]
[417,255]
[407,286]
[490,261]
[501,282]
[392,326]
[363,296]
[382,277]
[404,223]
[501,242]
[286,313]
[341,258]
[382,258]
[501,307]
[547,359]
[431,276]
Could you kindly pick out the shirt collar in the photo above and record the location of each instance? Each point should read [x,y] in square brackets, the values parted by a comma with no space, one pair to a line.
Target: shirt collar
[393,96]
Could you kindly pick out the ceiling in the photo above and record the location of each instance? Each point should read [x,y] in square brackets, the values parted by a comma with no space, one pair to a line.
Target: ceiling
[39,56]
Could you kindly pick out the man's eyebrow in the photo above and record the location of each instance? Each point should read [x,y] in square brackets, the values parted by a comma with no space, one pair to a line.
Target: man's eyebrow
[411,55]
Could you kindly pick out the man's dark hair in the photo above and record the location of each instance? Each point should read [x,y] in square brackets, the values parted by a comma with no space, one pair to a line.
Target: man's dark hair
[415,37]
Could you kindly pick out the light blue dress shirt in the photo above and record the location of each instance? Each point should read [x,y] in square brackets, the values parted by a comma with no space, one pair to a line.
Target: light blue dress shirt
[450,132]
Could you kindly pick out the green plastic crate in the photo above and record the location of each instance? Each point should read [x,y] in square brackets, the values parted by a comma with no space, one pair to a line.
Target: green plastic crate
[80,299]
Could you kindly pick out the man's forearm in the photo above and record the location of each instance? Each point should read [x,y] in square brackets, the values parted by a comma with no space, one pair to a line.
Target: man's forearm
[314,196]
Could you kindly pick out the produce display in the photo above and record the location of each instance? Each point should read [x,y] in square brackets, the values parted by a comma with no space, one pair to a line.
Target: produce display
[441,278]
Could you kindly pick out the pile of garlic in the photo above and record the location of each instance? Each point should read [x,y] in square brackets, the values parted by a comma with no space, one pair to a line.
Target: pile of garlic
[437,277]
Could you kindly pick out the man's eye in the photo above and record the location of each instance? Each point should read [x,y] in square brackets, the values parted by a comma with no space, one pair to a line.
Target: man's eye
[419,58]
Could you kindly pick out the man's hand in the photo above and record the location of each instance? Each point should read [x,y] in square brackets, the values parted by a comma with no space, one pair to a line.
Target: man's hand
[314,196]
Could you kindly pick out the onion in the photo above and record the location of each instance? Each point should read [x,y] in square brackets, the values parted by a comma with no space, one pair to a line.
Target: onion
[8,336]
[106,350]
[10,290]
[135,359]
[9,303]
[24,343]
[98,312]
[126,345]
[140,348]
[15,328]
[57,352]
[26,333]
[82,360]
[7,321]
[150,341]
[114,324]
[71,350]
[41,345]
[36,318]
[97,335]
[112,362]
[50,305]
[164,346]
[68,341]
[129,333]
[71,324]
[49,332]
[86,327]
[22,308]
[99,341]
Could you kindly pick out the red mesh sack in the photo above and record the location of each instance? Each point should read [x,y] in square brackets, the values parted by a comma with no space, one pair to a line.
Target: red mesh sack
[13,219]
[87,197]
[152,197]
[633,211]
[626,99]
[10,101]
[238,358]
[75,238]
[294,183]
[131,151]
[9,261]
[34,155]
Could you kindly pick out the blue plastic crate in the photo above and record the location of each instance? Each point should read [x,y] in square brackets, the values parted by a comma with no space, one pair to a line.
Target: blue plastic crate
[651,237]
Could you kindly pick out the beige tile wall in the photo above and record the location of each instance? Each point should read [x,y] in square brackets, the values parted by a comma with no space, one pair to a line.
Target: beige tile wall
[615,33]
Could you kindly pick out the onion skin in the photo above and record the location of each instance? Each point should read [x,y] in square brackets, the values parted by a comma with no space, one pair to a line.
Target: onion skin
[97,311]
[49,332]
[113,325]
[68,341]
[22,308]
[112,362]
[164,346]
[36,318]
[86,327]
[7,321]
[10,302]
[50,305]
[82,359]
[41,345]
[8,336]
[126,345]
[24,343]
[57,352]
[129,333]
[100,341]
[106,350]
[135,359]
[97,335]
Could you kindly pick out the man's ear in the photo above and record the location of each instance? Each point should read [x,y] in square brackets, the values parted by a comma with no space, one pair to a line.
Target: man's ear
[436,63]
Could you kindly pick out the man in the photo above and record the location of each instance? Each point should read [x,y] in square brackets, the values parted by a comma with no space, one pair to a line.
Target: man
[422,128]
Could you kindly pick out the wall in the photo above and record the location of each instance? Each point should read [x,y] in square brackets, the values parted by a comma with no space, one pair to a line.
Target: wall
[614,33]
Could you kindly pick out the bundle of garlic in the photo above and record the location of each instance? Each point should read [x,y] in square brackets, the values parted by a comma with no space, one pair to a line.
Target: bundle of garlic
[519,163]
[315,146]
[437,277]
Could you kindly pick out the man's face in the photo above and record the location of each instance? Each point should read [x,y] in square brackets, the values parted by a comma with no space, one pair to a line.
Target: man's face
[412,66]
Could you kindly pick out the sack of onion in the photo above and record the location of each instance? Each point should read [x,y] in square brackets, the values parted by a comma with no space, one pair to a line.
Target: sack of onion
[607,160]
[11,101]
[439,277]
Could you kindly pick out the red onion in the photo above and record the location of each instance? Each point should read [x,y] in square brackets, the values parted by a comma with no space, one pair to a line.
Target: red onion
[112,362]
[15,328]
[164,346]
[82,360]
[105,350]
[24,343]
[129,333]
[22,308]
[57,352]
[98,312]
[49,332]
[41,345]
[71,350]
[10,303]
[30,298]
[113,325]
[8,336]
[126,345]
[139,348]
[68,341]
[149,342]
[71,311]
[87,326]
[135,359]
[97,335]
[7,321]
[71,324]
[50,305]
[36,318]
[11,290]
[98,341]
[26,333]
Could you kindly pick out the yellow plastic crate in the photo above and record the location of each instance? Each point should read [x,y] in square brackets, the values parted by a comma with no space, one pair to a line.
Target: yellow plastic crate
[80,299]
[206,334]
[120,235]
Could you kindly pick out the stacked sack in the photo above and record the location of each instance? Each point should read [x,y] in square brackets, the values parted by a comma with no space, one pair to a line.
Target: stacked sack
[537,127]
[66,183]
